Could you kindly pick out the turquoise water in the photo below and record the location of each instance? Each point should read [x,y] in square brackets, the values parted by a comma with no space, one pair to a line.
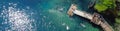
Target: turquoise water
[43,15]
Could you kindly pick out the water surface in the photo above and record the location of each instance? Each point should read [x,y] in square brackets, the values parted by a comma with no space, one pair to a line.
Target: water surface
[43,15]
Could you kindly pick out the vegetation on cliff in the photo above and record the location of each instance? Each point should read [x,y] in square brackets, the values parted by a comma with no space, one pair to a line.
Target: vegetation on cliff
[110,7]
[102,5]
[118,18]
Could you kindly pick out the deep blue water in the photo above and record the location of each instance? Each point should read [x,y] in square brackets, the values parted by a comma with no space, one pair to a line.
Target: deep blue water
[42,15]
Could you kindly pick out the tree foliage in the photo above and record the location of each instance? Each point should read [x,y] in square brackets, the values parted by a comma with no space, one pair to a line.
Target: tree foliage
[102,5]
[118,18]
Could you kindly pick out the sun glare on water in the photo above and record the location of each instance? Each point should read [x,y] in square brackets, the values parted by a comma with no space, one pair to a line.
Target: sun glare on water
[17,19]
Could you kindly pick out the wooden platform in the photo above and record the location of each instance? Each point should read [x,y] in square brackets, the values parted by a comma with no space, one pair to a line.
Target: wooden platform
[94,18]
[70,11]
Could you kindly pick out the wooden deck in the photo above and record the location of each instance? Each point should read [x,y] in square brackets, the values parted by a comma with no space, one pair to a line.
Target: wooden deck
[94,18]
[72,8]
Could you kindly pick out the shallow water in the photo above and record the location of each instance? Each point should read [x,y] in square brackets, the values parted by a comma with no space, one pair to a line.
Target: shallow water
[42,15]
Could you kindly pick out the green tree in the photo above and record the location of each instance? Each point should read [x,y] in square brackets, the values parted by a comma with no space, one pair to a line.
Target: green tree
[103,5]
[118,18]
